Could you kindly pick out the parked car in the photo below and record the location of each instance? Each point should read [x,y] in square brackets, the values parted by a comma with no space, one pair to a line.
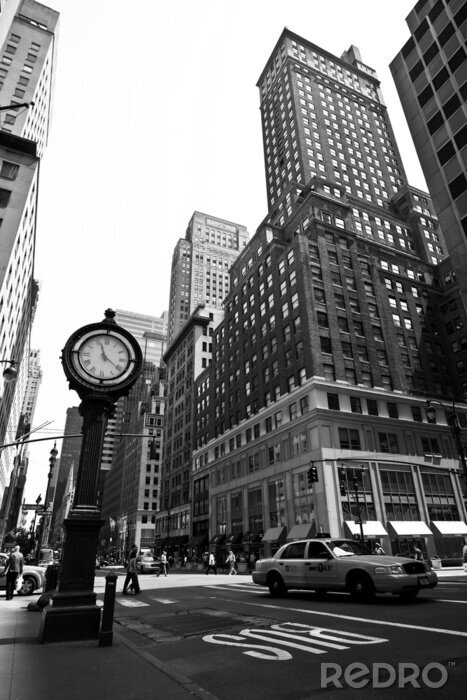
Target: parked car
[341,565]
[33,577]
[147,565]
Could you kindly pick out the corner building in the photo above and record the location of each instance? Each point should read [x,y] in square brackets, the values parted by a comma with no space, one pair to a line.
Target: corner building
[430,74]
[332,338]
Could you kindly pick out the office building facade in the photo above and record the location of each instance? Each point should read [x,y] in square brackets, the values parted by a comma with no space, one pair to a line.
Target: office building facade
[332,338]
[27,67]
[430,74]
[200,266]
[133,444]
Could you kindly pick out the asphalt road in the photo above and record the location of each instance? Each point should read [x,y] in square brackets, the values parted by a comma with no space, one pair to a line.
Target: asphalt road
[235,641]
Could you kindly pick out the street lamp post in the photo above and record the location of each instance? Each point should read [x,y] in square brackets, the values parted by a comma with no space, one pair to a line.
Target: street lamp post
[453,422]
[10,373]
[44,524]
[356,474]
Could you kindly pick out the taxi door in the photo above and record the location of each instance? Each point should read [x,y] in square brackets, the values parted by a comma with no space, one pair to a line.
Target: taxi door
[320,567]
[291,565]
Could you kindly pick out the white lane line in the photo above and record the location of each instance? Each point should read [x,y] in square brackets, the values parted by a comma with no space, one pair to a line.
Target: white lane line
[164,601]
[132,603]
[445,600]
[438,630]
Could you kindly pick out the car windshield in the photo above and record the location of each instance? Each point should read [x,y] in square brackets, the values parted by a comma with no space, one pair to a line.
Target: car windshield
[347,548]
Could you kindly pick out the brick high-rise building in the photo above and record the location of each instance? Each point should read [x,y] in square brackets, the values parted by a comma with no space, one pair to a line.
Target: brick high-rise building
[431,77]
[333,333]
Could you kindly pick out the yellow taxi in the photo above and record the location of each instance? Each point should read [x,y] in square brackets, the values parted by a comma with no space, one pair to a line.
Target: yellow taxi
[331,564]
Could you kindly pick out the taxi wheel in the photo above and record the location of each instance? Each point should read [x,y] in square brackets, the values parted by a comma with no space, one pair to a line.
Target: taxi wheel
[276,586]
[361,587]
[28,587]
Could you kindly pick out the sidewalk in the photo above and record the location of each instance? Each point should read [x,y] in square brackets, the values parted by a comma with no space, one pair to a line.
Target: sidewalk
[76,670]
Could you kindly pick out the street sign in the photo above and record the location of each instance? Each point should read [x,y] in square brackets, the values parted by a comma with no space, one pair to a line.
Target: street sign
[31,506]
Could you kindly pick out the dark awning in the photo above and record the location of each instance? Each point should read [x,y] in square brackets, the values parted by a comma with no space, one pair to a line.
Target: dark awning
[252,536]
[197,541]
[217,539]
[275,534]
[234,537]
[179,540]
[301,532]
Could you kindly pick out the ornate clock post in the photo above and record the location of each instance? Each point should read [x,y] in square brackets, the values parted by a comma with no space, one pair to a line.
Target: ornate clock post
[101,362]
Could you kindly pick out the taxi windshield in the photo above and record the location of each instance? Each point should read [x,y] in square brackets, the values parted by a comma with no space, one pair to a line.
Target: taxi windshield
[347,548]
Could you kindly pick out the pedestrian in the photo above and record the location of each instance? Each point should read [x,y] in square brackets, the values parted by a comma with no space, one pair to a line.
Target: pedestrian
[252,561]
[164,564]
[13,569]
[231,562]
[417,552]
[464,556]
[211,564]
[378,548]
[131,573]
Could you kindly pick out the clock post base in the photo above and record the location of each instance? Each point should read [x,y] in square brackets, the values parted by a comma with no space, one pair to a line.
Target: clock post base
[70,617]
[72,613]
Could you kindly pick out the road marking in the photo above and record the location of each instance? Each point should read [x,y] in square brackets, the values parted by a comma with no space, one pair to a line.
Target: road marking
[445,600]
[438,630]
[131,603]
[293,635]
[164,601]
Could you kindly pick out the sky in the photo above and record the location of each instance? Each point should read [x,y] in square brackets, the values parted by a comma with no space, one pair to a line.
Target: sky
[156,115]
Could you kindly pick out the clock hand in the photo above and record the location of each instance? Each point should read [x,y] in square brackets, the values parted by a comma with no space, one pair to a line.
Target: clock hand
[104,356]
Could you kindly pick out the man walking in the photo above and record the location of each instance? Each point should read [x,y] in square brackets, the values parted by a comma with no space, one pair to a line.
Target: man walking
[132,574]
[231,562]
[164,564]
[13,569]
[211,564]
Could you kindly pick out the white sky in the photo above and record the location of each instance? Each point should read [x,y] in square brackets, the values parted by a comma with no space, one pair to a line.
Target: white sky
[156,114]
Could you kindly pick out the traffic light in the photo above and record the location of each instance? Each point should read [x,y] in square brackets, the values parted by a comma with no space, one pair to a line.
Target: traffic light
[343,482]
[312,475]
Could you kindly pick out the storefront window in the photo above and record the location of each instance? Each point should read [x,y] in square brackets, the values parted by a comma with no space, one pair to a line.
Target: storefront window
[277,504]
[304,506]
[221,515]
[399,496]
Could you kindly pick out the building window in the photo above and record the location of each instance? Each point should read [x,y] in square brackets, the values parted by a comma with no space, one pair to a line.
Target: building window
[4,197]
[388,442]
[333,402]
[392,410]
[399,496]
[355,404]
[372,407]
[349,439]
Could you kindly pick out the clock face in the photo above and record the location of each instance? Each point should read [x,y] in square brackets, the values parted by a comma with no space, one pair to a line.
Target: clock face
[103,358]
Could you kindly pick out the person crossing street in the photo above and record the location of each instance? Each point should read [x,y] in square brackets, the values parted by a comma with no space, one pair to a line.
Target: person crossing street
[211,564]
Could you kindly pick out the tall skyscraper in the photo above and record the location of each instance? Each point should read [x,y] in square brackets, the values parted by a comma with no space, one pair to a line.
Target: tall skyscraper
[200,266]
[199,283]
[130,467]
[68,464]
[27,67]
[431,76]
[333,333]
